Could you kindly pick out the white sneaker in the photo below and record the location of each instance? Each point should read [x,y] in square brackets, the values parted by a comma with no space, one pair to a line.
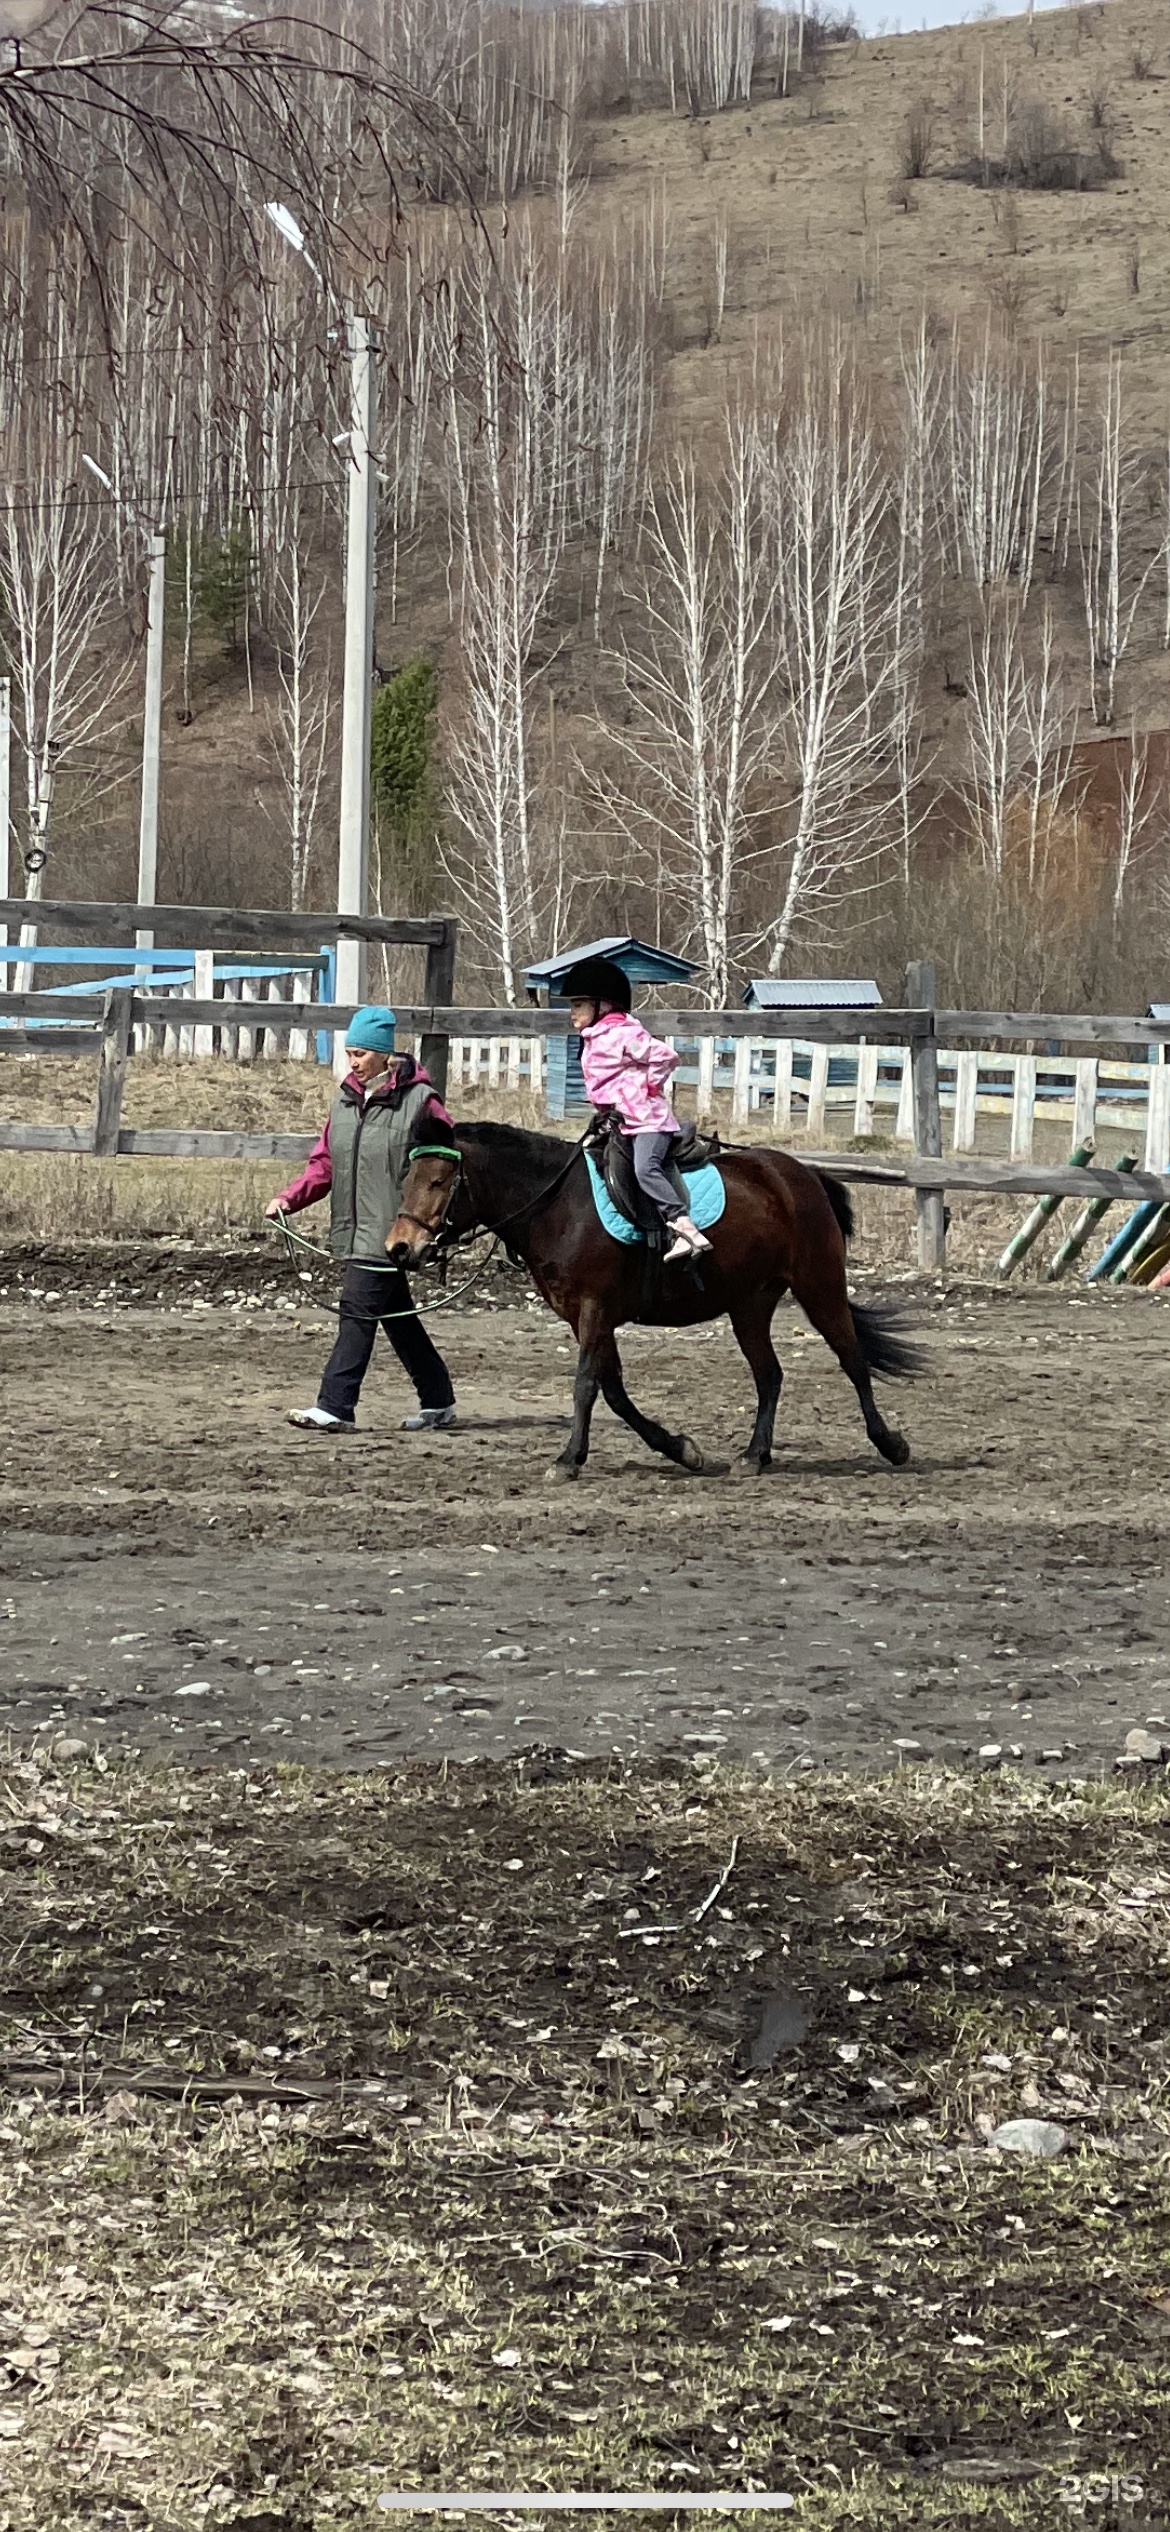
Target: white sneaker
[678,1248]
[689,1241]
[318,1420]
[429,1420]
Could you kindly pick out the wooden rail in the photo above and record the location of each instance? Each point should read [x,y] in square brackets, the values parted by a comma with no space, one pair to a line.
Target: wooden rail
[226,927]
[917,1025]
[824,1028]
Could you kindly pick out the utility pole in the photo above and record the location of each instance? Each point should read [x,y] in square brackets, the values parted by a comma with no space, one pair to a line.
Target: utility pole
[353,843]
[152,733]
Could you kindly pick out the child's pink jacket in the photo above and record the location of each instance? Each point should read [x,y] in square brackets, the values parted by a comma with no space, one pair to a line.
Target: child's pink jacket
[625,1068]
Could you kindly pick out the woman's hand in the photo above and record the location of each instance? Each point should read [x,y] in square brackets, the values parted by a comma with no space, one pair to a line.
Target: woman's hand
[274,1212]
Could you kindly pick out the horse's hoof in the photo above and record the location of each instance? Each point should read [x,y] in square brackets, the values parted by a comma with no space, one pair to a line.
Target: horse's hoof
[690,1456]
[750,1464]
[563,1472]
[896,1449]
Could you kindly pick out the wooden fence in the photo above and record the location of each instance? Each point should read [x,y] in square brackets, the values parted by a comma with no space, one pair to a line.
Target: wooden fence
[931,1046]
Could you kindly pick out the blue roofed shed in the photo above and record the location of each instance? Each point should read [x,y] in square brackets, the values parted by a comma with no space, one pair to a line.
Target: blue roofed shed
[639,960]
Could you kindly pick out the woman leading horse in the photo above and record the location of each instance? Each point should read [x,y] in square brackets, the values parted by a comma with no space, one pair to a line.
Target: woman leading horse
[783,1229]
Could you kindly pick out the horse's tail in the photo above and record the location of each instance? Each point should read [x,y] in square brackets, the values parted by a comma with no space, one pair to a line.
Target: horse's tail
[886,1350]
[841,1201]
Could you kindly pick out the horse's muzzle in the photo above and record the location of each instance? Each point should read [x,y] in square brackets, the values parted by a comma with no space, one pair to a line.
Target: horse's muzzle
[407,1247]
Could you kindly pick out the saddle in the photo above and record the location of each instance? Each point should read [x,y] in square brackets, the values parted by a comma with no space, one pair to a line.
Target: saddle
[613,1152]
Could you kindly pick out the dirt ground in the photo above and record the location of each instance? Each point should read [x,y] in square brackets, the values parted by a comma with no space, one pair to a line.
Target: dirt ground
[183,1573]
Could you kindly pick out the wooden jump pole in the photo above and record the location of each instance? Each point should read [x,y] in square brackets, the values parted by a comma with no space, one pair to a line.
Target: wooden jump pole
[1119,1247]
[1082,1230]
[1029,1231]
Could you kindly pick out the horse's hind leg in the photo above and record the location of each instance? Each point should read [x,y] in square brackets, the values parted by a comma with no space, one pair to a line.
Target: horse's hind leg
[825,1302]
[752,1323]
[676,1446]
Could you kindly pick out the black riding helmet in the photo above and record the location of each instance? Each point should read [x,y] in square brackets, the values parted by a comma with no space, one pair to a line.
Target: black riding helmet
[598,980]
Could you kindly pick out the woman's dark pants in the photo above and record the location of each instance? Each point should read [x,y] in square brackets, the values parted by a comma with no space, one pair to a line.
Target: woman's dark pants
[369,1299]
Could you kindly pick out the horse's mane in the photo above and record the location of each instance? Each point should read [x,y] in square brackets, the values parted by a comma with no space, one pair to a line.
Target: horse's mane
[516,1142]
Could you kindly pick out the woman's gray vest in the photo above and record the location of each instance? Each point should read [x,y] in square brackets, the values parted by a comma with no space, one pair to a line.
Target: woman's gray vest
[369,1148]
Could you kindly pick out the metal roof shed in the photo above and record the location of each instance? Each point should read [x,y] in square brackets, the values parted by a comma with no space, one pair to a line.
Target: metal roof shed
[813,993]
[639,960]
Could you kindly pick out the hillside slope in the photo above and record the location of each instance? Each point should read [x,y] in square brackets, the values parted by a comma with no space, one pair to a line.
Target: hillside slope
[803,206]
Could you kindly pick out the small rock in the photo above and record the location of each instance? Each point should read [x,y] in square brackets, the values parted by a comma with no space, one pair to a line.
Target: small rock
[194,1688]
[1146,1746]
[794,1714]
[68,1747]
[991,1750]
[1039,2138]
[120,2107]
[506,1653]
[10,2424]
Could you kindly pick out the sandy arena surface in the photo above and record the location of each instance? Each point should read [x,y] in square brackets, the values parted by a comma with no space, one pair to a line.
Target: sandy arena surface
[182,1572]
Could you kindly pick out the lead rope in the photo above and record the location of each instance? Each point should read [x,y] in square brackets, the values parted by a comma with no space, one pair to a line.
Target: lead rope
[294,1240]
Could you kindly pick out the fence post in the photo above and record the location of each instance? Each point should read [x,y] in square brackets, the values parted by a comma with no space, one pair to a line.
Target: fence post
[867,1082]
[921,989]
[818,1085]
[1023,1108]
[705,1094]
[966,1101]
[1158,1118]
[782,1090]
[117,1019]
[741,1082]
[203,1037]
[439,988]
[1085,1099]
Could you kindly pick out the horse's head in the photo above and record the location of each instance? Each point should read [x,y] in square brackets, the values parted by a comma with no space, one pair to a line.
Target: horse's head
[433,1201]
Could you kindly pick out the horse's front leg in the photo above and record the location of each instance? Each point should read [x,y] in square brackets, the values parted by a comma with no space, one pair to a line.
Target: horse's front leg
[676,1446]
[569,1462]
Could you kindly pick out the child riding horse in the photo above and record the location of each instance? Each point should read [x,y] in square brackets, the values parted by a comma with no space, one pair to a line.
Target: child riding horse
[627,1069]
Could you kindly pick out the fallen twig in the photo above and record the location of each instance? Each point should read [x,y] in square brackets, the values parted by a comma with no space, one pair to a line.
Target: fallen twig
[30,2074]
[721,1884]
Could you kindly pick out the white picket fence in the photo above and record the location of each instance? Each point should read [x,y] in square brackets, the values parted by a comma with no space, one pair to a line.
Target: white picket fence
[830,1091]
[856,1090]
[242,1040]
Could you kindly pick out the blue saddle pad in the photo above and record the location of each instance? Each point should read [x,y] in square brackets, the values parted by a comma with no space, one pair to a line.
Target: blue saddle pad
[707,1192]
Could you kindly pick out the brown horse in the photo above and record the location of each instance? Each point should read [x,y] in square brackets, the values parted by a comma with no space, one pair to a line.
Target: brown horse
[783,1229]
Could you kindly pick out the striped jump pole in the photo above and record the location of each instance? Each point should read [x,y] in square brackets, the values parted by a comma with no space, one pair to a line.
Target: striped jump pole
[1145,1257]
[1041,1213]
[1121,1243]
[1084,1226]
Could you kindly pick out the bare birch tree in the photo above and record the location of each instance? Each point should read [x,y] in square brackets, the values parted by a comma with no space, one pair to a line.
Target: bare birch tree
[507,453]
[1112,586]
[839,642]
[998,421]
[58,574]
[700,673]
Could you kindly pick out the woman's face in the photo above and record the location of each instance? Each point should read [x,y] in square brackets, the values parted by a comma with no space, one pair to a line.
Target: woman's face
[367,1062]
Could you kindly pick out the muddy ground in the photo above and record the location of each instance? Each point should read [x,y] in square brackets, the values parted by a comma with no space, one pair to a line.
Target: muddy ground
[182,1572]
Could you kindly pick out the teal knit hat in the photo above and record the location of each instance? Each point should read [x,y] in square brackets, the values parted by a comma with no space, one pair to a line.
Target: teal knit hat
[373,1027]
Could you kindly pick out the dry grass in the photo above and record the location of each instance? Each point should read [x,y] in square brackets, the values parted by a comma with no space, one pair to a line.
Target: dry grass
[551,2227]
[58,1197]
